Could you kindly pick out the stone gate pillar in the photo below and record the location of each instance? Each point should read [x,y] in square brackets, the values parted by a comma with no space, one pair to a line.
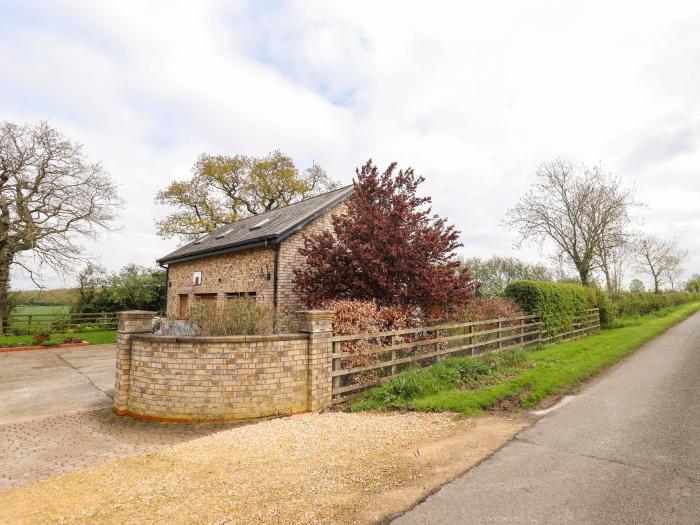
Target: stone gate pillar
[319,325]
[130,323]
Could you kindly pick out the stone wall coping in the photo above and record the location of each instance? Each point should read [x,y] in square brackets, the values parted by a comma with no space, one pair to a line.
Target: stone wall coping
[137,313]
[220,339]
[316,313]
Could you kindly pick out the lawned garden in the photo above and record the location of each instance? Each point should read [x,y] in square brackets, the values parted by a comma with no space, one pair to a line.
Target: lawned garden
[93,337]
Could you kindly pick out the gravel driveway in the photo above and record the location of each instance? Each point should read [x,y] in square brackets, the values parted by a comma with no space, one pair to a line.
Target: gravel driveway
[312,468]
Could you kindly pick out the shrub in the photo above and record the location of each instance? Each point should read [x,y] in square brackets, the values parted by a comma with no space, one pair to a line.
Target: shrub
[361,317]
[627,304]
[484,309]
[40,337]
[557,304]
[693,285]
[239,316]
[597,298]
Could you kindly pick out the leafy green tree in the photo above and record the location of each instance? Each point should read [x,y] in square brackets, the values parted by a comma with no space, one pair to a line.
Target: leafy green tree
[225,188]
[91,281]
[497,272]
[132,288]
[637,286]
[693,285]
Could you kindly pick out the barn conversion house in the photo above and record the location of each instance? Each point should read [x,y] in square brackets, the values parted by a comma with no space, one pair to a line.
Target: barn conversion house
[255,257]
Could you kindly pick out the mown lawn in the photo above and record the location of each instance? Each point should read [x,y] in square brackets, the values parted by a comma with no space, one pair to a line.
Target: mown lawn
[522,378]
[94,337]
[41,309]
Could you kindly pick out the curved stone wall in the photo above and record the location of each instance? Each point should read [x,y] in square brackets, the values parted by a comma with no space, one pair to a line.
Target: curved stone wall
[214,378]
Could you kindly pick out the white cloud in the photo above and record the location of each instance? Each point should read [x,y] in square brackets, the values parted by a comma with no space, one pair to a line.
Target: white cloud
[473,95]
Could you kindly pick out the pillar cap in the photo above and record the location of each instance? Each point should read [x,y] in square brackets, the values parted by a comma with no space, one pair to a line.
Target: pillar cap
[316,314]
[136,313]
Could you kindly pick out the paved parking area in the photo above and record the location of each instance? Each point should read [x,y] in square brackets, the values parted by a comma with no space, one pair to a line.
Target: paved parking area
[49,382]
[55,415]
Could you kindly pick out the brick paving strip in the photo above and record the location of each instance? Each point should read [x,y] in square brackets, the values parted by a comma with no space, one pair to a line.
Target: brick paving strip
[40,447]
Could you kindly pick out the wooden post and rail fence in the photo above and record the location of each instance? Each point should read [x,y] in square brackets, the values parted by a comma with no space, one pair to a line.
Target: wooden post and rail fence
[364,360]
[59,321]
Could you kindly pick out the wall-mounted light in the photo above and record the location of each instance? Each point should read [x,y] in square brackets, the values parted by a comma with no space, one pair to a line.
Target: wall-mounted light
[265,272]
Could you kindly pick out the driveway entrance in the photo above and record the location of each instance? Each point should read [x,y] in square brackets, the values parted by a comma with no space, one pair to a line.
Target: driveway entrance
[56,416]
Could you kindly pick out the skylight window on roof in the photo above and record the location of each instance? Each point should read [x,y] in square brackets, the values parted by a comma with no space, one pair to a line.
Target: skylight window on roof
[224,234]
[260,224]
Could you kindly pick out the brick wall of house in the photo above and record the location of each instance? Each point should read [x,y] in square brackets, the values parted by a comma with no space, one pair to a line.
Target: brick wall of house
[235,272]
[239,272]
[289,258]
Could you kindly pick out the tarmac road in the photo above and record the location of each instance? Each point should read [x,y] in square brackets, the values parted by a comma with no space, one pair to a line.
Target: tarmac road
[625,450]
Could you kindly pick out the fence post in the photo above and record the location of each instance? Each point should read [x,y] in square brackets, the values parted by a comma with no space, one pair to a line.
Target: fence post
[29,322]
[130,323]
[522,332]
[394,368]
[498,334]
[337,364]
[471,339]
[319,325]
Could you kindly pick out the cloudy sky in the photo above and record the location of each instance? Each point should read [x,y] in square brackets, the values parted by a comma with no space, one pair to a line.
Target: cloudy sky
[473,95]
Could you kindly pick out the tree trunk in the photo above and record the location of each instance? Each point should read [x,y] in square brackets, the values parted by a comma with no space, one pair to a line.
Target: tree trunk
[656,285]
[608,280]
[4,284]
[5,260]
[583,275]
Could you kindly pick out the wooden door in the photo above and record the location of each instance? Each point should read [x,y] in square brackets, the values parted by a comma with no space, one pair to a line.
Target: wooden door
[183,306]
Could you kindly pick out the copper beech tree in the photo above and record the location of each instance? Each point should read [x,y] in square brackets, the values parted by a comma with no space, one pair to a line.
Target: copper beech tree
[388,247]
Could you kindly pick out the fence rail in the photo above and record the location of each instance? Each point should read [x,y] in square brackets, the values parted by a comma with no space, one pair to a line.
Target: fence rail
[60,321]
[364,360]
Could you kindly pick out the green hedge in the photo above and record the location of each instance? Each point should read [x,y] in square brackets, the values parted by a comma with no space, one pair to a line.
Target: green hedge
[558,304]
[641,303]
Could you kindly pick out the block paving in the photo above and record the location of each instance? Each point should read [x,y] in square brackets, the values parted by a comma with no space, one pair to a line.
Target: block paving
[41,447]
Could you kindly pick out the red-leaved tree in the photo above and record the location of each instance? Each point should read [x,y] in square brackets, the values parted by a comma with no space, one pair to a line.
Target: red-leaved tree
[387,247]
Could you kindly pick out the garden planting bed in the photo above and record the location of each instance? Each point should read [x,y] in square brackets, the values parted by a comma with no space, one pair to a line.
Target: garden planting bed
[20,348]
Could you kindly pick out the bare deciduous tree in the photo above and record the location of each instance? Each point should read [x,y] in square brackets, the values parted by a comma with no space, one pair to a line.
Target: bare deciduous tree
[662,260]
[49,197]
[497,272]
[612,262]
[584,211]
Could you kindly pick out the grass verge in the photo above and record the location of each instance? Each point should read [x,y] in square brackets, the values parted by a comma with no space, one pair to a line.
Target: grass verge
[93,337]
[521,378]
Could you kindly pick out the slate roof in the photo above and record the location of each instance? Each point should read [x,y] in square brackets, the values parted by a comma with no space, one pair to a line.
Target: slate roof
[260,230]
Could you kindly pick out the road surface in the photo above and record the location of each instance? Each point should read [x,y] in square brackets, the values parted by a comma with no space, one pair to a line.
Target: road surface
[625,450]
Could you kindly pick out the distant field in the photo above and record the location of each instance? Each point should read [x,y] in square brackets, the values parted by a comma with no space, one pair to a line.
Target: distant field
[57,297]
[34,310]
[19,318]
